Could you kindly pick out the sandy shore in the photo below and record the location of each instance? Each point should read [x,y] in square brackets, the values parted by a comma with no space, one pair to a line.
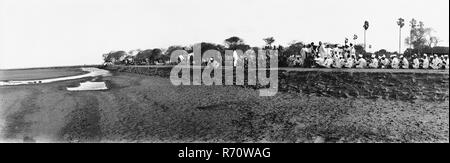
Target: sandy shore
[141,108]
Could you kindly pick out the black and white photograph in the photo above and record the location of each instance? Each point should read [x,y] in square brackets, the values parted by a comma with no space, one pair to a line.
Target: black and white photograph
[224,71]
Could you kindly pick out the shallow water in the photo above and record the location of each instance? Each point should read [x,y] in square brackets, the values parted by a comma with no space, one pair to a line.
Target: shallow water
[93,72]
[88,86]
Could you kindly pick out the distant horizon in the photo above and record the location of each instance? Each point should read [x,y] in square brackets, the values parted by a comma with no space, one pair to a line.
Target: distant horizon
[49,33]
[46,67]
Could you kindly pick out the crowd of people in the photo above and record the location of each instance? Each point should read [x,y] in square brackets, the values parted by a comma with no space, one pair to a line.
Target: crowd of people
[333,56]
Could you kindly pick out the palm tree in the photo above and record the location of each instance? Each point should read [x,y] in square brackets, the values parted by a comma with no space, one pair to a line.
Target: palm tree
[366,26]
[400,23]
[269,41]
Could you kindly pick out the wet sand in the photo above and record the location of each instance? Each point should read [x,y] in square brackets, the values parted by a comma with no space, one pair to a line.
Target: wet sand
[140,108]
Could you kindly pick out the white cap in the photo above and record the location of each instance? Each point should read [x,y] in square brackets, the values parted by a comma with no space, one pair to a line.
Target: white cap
[360,55]
[393,55]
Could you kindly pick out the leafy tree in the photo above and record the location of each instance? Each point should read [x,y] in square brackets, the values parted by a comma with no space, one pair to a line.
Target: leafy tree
[114,56]
[233,41]
[146,56]
[172,49]
[427,50]
[163,58]
[157,55]
[294,48]
[433,41]
[211,46]
[243,47]
[269,41]
[418,35]
[381,52]
[360,49]
[384,52]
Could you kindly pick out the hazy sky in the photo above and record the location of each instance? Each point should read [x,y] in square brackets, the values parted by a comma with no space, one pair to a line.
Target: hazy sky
[35,33]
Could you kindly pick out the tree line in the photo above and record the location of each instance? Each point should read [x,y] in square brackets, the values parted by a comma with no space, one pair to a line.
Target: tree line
[420,41]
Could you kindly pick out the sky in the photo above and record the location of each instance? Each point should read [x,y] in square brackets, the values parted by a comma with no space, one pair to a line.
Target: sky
[41,33]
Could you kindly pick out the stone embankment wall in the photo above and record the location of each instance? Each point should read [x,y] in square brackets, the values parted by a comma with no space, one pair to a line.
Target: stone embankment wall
[405,86]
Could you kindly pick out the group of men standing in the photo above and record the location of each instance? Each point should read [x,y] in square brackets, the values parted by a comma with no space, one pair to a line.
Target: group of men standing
[332,56]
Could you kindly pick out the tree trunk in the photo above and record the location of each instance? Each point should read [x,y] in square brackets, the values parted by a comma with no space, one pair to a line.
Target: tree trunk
[400,41]
[365,49]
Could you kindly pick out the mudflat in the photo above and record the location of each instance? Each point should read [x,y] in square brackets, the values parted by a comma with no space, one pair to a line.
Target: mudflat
[139,108]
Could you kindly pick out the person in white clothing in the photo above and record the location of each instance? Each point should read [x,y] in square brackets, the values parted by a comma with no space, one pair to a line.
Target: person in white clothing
[292,61]
[337,61]
[374,62]
[395,62]
[304,52]
[361,63]
[416,62]
[341,62]
[322,50]
[405,62]
[328,51]
[436,63]
[352,50]
[321,56]
[385,62]
[328,62]
[425,62]
[320,61]
[350,62]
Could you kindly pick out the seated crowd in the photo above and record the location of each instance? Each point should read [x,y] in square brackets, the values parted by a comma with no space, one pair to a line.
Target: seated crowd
[334,56]
[327,56]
